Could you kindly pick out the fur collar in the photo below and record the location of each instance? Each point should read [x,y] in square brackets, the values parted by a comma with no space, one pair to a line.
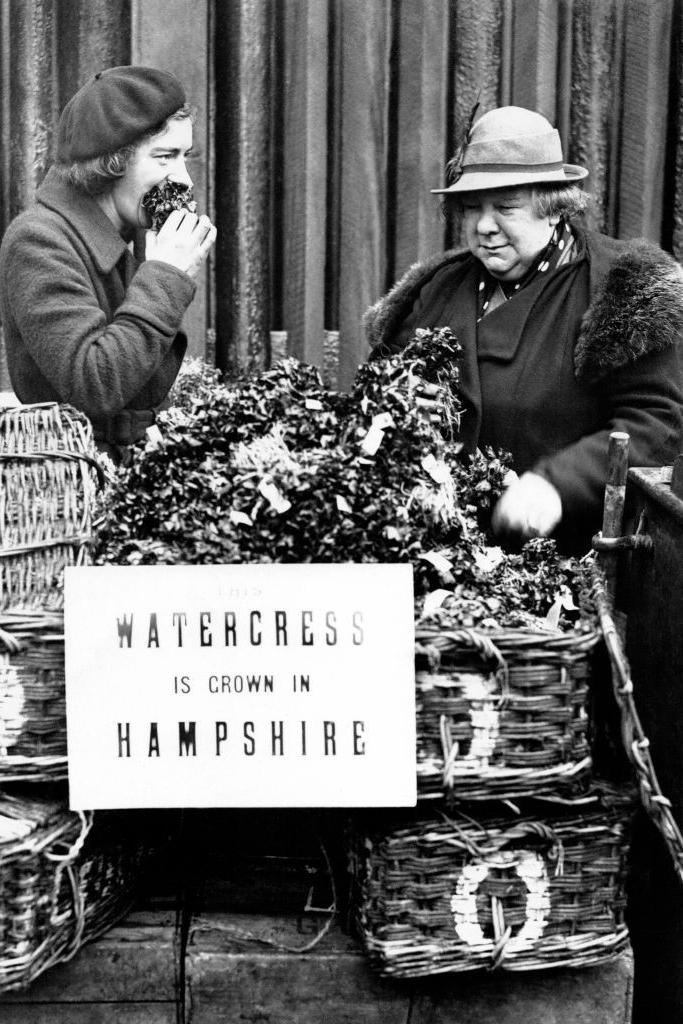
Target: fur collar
[636,303]
[383,319]
[636,306]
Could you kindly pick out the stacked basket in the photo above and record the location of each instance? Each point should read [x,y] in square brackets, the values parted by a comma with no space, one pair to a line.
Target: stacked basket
[473,879]
[455,894]
[48,484]
[64,877]
[502,713]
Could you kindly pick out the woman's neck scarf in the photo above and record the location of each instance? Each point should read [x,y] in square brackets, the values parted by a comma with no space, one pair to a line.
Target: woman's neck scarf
[493,292]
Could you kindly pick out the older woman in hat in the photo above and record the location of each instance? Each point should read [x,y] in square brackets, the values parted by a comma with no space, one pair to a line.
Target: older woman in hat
[84,321]
[566,334]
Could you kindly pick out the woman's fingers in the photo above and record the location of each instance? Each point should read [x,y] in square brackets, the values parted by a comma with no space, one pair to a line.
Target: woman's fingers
[183,241]
[209,239]
[172,222]
[203,228]
[185,224]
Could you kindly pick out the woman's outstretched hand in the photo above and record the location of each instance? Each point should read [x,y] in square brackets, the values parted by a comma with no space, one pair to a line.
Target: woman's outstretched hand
[529,507]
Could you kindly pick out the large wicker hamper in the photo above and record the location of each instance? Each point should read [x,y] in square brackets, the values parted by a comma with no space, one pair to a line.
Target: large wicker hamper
[64,878]
[49,476]
[48,482]
[451,893]
[502,713]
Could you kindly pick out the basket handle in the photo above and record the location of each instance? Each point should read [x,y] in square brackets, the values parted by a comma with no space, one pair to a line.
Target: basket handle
[86,818]
[494,844]
[537,829]
[66,866]
[10,642]
[481,643]
[636,743]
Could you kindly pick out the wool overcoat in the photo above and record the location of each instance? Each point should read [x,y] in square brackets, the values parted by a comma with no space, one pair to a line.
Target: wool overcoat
[84,322]
[593,347]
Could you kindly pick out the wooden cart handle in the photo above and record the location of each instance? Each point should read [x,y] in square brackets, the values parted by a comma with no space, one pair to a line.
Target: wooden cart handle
[615,498]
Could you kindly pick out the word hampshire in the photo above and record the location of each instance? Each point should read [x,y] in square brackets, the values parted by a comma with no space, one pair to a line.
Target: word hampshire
[274,738]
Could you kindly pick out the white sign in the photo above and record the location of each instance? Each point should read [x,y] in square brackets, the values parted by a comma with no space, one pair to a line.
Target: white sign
[240,686]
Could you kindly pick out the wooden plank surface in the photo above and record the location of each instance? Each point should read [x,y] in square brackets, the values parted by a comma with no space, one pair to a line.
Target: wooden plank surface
[534,56]
[644,120]
[420,142]
[136,961]
[237,969]
[598,995]
[306,26]
[233,979]
[364,40]
[174,35]
[90,1013]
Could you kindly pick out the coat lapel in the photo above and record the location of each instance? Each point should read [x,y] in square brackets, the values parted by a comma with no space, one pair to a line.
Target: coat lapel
[100,237]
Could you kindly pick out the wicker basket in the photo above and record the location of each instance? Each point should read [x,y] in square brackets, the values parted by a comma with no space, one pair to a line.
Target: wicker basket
[502,714]
[32,697]
[48,481]
[443,895]
[63,881]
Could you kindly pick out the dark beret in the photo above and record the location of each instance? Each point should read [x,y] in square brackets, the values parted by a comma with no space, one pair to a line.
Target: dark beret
[115,108]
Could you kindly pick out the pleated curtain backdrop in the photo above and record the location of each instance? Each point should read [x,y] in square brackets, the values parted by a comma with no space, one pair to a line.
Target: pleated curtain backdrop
[322,124]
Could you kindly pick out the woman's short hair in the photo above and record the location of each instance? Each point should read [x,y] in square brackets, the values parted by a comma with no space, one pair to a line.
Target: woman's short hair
[96,175]
[566,201]
[549,200]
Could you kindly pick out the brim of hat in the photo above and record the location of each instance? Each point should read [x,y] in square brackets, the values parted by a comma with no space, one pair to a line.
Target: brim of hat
[482,181]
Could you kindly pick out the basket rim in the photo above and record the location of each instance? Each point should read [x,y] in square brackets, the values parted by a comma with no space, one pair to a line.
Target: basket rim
[512,639]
